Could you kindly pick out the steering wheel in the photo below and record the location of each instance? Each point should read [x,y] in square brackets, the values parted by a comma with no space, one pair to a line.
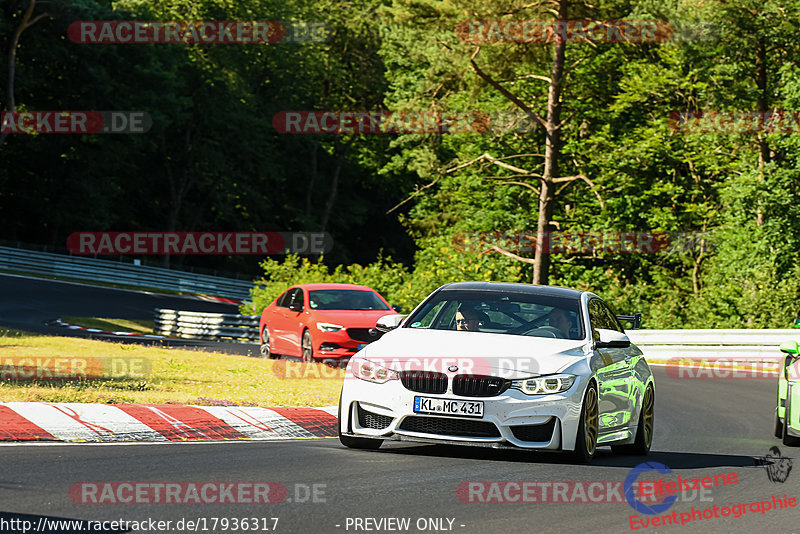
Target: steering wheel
[551,330]
[525,328]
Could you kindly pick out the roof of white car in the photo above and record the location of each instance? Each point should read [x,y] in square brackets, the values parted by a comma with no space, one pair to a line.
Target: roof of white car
[505,287]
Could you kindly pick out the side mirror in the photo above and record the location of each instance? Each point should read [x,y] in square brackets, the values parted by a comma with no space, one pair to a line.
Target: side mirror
[790,347]
[389,322]
[611,339]
[635,320]
[296,306]
[397,308]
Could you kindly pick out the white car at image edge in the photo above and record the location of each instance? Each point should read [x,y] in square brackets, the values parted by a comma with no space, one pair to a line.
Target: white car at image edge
[502,365]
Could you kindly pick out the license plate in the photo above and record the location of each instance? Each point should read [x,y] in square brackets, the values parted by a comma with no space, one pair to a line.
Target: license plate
[361,346]
[448,407]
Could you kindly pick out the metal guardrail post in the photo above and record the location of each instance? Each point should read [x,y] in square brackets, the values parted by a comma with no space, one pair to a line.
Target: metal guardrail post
[211,326]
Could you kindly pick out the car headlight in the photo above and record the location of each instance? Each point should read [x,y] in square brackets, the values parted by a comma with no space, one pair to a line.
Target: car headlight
[329,327]
[372,372]
[544,385]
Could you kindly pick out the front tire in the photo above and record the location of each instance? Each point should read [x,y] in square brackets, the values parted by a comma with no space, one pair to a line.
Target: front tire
[644,433]
[356,443]
[790,441]
[588,428]
[778,427]
[266,348]
[307,347]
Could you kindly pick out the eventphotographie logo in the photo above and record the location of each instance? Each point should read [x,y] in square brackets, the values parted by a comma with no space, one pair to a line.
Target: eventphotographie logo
[655,497]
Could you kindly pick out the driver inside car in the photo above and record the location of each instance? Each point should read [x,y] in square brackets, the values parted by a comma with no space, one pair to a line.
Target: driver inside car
[558,318]
[470,319]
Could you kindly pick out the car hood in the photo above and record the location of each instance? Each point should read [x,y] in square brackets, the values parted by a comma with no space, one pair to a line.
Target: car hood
[509,356]
[350,318]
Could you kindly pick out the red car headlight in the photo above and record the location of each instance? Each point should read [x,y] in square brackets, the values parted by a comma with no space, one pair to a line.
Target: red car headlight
[329,327]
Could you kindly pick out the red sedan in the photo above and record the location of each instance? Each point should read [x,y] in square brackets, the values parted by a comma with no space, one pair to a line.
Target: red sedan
[322,321]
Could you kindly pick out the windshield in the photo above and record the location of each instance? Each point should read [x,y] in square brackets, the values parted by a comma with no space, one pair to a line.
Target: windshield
[345,299]
[501,313]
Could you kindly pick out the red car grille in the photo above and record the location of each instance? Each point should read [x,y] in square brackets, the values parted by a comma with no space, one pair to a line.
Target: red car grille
[364,335]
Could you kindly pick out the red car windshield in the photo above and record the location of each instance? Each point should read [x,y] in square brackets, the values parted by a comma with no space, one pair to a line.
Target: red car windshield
[345,299]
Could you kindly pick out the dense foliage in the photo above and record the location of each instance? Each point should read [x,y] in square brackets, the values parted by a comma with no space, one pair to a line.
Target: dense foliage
[213,162]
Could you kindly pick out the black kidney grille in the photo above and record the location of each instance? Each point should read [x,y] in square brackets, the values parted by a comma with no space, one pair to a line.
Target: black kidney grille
[540,433]
[479,386]
[364,335]
[369,419]
[444,426]
[424,381]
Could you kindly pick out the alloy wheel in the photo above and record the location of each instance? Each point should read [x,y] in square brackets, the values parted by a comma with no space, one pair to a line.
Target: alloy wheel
[649,417]
[308,348]
[265,345]
[591,421]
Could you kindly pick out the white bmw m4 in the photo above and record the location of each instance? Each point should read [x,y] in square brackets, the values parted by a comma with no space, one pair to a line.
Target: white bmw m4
[502,365]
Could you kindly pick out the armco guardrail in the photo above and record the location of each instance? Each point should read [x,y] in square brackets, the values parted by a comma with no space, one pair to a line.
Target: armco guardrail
[657,345]
[198,325]
[81,268]
[740,344]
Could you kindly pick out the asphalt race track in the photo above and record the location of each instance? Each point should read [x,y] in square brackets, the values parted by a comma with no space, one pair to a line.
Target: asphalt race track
[30,303]
[704,427]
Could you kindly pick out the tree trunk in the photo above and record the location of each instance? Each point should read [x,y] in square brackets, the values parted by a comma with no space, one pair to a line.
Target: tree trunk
[763,148]
[541,265]
[26,22]
[312,178]
[179,186]
[337,171]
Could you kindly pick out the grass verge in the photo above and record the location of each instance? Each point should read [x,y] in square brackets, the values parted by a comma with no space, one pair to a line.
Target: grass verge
[169,376]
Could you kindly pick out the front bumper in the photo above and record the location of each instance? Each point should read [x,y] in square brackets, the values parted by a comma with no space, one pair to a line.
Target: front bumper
[512,418]
[337,344]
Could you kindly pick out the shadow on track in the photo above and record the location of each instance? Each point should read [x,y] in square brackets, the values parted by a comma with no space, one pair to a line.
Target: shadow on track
[603,458]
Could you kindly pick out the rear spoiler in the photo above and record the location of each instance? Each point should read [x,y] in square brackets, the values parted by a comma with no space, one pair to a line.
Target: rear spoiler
[635,320]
